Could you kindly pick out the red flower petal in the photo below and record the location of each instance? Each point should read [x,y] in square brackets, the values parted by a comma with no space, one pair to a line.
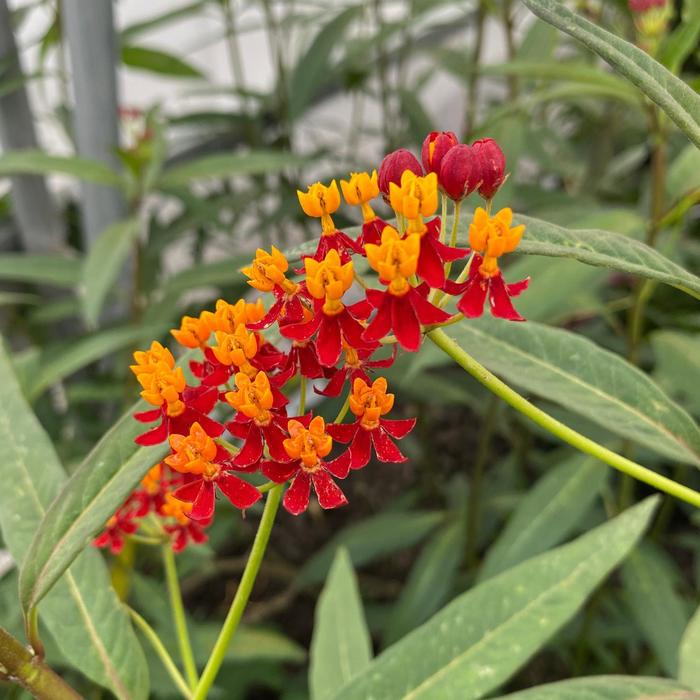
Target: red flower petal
[381,323]
[328,492]
[274,437]
[501,305]
[342,432]
[189,491]
[203,505]
[430,266]
[148,416]
[360,449]
[279,472]
[426,312]
[375,297]
[302,331]
[296,500]
[271,316]
[472,302]
[340,466]
[252,448]
[328,343]
[518,288]
[154,436]
[398,428]
[352,330]
[384,448]
[405,324]
[202,398]
[335,385]
[239,492]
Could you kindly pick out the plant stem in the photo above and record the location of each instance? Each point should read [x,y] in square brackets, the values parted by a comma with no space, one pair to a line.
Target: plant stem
[302,395]
[443,218]
[242,594]
[31,628]
[178,611]
[161,651]
[343,410]
[29,671]
[555,427]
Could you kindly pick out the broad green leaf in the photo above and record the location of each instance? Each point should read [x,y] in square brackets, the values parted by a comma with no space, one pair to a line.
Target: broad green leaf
[228,165]
[574,372]
[430,581]
[369,540]
[312,71]
[606,688]
[19,299]
[649,578]
[52,270]
[82,611]
[689,653]
[103,264]
[156,61]
[340,647]
[676,98]
[32,162]
[94,491]
[53,365]
[683,173]
[482,637]
[547,514]
[678,365]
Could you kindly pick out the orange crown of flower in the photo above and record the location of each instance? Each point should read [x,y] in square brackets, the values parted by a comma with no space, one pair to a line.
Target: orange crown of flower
[329,279]
[235,348]
[151,482]
[416,196]
[370,403]
[320,201]
[162,382]
[492,236]
[395,259]
[194,332]
[310,444]
[359,190]
[176,509]
[193,453]
[228,317]
[268,271]
[253,397]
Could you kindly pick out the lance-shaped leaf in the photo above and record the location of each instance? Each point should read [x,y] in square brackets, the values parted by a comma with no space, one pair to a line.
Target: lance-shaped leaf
[676,98]
[689,653]
[94,491]
[82,612]
[481,638]
[573,371]
[55,270]
[607,688]
[341,647]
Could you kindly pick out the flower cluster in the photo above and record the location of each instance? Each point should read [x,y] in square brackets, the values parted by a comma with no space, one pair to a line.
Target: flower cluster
[333,330]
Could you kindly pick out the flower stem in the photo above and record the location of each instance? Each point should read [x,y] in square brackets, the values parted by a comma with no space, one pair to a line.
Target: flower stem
[29,671]
[242,594]
[178,611]
[161,651]
[443,218]
[343,410]
[453,235]
[302,395]
[564,432]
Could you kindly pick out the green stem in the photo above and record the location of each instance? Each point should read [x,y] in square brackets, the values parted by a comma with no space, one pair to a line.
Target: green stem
[343,410]
[302,395]
[242,594]
[555,427]
[29,671]
[32,632]
[162,652]
[178,611]
[443,218]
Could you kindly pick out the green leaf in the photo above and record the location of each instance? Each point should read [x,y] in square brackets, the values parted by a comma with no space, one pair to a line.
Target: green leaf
[158,21]
[430,581]
[485,635]
[53,365]
[156,61]
[103,264]
[683,174]
[676,98]
[649,577]
[689,653]
[32,162]
[369,540]
[678,365]
[606,688]
[82,611]
[573,371]
[312,71]
[547,514]
[340,646]
[94,491]
[40,269]
[682,41]
[222,273]
[230,164]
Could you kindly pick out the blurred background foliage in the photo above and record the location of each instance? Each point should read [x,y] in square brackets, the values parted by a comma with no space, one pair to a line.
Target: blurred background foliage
[207,170]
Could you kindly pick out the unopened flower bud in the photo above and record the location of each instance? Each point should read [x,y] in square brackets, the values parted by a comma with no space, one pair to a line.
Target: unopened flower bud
[460,172]
[435,146]
[492,166]
[393,166]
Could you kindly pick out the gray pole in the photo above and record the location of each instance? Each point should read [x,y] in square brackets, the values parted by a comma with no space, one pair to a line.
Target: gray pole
[39,225]
[88,29]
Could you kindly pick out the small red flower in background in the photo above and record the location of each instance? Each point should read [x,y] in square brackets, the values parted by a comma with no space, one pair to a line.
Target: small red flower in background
[369,403]
[394,165]
[306,447]
[207,467]
[435,147]
[123,523]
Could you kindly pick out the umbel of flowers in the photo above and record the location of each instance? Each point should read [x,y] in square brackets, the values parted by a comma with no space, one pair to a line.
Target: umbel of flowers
[337,330]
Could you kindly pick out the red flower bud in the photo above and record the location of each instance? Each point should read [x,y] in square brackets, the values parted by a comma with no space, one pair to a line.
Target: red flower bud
[435,146]
[645,5]
[393,166]
[460,171]
[492,166]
